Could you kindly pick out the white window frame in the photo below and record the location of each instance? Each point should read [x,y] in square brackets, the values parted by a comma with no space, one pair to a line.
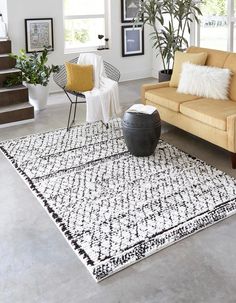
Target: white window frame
[106,17]
[231,19]
[231,22]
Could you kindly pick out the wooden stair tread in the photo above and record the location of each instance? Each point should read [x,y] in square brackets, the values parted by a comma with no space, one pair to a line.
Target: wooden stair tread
[14,104]
[5,46]
[14,107]
[10,89]
[13,95]
[9,71]
[16,112]
[6,62]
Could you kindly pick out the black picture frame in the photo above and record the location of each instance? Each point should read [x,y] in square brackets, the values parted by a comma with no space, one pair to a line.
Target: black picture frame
[128,13]
[132,40]
[39,33]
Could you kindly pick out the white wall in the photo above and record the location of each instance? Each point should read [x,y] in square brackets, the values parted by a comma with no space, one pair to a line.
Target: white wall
[156,64]
[130,67]
[3,9]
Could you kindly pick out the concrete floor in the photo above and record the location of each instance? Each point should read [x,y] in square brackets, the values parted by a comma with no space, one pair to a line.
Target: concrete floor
[38,266]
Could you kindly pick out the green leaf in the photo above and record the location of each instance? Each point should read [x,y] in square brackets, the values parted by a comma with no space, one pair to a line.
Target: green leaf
[33,67]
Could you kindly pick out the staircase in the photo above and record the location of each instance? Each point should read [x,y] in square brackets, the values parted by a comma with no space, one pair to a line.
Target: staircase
[14,102]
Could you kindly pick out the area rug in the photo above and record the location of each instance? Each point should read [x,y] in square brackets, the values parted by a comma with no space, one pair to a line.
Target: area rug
[113,208]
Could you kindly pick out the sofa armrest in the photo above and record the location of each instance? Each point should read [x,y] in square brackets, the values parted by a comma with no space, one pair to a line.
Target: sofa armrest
[149,86]
[231,130]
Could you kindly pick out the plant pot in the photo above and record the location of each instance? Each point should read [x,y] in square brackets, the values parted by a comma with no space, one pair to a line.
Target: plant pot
[38,96]
[165,75]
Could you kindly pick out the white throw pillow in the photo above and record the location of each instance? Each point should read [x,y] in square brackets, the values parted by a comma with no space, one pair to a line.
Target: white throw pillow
[204,81]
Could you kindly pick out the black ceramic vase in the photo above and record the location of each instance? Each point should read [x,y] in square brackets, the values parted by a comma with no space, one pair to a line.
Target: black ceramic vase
[141,132]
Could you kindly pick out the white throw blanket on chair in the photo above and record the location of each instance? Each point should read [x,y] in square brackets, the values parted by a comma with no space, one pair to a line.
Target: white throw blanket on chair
[103,100]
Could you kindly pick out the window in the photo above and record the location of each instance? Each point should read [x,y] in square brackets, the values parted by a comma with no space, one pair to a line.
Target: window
[214,26]
[218,25]
[84,20]
[234,27]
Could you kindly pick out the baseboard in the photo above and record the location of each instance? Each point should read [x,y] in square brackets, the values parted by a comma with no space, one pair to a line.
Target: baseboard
[16,123]
[136,75]
[55,91]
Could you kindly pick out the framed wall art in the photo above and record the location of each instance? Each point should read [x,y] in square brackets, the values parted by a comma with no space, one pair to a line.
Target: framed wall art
[129,9]
[38,34]
[132,40]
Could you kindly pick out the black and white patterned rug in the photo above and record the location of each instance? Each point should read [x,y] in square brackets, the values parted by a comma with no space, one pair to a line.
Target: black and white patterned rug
[113,208]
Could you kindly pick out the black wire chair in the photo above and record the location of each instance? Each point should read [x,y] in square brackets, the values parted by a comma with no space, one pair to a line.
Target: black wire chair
[61,80]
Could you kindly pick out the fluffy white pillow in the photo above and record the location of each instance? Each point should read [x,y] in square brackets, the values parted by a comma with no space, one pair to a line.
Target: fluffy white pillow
[204,81]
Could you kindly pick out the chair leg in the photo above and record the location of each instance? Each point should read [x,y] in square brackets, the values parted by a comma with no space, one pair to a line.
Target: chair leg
[68,123]
[75,110]
[105,124]
[233,160]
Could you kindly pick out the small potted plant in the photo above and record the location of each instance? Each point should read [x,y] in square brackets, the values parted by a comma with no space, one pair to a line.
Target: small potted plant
[170,21]
[35,74]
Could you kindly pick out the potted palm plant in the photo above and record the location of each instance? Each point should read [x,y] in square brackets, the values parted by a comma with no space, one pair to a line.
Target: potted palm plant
[35,74]
[171,21]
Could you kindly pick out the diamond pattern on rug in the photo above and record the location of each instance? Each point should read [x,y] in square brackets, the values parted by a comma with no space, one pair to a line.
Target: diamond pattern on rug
[114,208]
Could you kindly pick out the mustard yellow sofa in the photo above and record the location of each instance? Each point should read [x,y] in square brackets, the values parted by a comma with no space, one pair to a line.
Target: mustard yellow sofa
[209,119]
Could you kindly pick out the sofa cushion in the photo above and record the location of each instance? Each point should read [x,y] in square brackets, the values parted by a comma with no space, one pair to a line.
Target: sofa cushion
[209,111]
[180,58]
[205,81]
[230,63]
[214,57]
[168,97]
